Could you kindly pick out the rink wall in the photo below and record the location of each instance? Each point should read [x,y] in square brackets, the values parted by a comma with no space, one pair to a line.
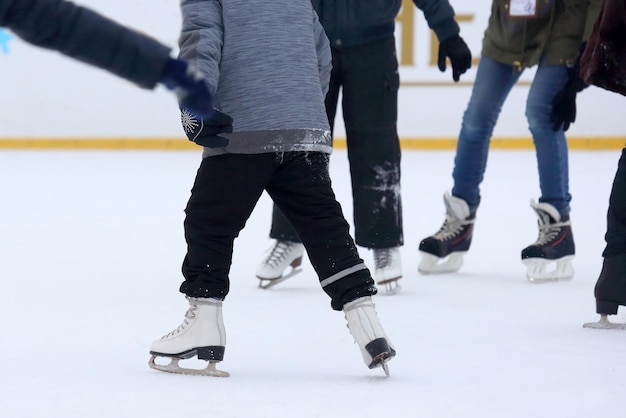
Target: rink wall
[51,102]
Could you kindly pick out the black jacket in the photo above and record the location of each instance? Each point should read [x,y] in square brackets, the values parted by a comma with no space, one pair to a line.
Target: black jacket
[356,22]
[86,36]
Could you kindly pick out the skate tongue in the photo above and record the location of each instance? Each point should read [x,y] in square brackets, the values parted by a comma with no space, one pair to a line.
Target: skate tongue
[545,208]
[456,206]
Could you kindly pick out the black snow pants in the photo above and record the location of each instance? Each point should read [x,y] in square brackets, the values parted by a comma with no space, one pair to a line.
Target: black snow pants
[368,77]
[610,288]
[226,190]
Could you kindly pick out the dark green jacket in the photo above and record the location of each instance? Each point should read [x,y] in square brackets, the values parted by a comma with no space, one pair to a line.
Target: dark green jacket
[557,32]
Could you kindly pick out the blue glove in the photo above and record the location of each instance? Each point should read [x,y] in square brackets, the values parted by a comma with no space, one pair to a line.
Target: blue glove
[459,54]
[191,89]
[205,131]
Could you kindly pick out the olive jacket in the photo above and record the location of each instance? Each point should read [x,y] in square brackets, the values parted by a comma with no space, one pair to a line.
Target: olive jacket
[556,32]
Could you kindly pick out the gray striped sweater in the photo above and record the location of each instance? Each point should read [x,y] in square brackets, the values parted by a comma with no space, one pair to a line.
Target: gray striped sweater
[269,62]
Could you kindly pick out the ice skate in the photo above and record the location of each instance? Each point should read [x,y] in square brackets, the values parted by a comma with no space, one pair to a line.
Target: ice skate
[201,334]
[388,269]
[550,257]
[443,252]
[368,333]
[610,292]
[604,323]
[282,255]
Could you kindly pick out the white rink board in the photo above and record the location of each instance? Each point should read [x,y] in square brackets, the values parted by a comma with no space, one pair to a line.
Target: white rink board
[46,95]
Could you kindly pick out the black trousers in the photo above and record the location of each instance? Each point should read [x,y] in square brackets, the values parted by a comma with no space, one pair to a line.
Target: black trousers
[615,236]
[369,80]
[610,287]
[226,190]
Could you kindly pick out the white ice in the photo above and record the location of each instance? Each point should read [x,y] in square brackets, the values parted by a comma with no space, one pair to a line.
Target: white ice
[91,244]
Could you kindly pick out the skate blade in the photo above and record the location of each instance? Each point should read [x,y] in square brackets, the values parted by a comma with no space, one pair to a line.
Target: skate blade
[381,360]
[537,270]
[267,283]
[385,368]
[391,286]
[430,264]
[604,323]
[174,368]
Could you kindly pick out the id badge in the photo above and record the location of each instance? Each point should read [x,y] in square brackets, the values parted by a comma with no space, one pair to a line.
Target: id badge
[522,8]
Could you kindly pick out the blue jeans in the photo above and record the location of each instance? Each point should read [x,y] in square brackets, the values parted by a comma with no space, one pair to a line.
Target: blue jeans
[493,83]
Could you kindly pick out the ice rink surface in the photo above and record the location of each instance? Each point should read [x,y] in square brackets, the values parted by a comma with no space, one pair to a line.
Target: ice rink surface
[90,250]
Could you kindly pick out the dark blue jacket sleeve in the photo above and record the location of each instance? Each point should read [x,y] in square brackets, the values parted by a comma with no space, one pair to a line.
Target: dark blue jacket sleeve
[440,17]
[87,36]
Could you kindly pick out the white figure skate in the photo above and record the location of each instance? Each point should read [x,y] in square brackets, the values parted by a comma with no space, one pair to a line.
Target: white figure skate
[368,333]
[388,269]
[279,257]
[201,334]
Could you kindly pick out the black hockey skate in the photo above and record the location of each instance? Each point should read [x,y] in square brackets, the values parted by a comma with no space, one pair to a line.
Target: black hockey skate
[610,292]
[443,252]
[549,258]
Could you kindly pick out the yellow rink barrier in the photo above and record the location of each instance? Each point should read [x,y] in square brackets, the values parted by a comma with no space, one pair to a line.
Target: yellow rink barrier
[181,144]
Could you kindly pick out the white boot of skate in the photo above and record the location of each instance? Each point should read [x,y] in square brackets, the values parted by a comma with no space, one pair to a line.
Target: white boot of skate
[388,269]
[368,333]
[282,255]
[201,334]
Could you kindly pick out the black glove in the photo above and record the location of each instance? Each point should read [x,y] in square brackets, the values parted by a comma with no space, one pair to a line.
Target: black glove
[205,131]
[563,111]
[191,89]
[460,56]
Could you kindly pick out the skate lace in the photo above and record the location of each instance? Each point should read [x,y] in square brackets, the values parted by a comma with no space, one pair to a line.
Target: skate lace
[451,227]
[548,231]
[279,253]
[189,315]
[383,257]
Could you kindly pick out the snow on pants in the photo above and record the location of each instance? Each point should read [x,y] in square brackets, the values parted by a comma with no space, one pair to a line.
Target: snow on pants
[226,190]
[367,76]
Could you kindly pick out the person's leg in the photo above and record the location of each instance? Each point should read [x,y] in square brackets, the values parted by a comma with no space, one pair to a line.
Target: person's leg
[555,242]
[370,101]
[491,87]
[610,289]
[281,229]
[443,251]
[550,145]
[215,216]
[615,236]
[301,187]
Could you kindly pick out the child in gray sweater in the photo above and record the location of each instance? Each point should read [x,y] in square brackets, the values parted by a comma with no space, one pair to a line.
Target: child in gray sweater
[269,63]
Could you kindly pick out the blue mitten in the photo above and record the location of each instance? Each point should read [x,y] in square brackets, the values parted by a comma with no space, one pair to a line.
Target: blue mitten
[191,89]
